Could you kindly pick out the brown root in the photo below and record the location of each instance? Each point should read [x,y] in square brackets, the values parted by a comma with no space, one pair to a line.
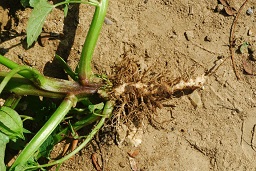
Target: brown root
[139,93]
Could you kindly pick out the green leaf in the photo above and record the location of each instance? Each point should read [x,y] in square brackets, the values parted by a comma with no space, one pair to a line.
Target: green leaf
[66,68]
[46,148]
[25,164]
[244,47]
[66,8]
[11,123]
[37,19]
[26,131]
[95,108]
[86,101]
[3,141]
[33,3]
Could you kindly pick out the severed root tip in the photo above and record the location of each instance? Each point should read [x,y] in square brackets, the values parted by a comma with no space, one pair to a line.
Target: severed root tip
[154,89]
[191,84]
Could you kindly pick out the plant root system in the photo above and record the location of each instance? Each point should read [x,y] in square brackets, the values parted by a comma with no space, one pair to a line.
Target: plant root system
[139,93]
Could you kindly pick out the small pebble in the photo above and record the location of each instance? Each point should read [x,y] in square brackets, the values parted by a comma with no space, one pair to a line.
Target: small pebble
[2,102]
[195,99]
[249,11]
[133,153]
[108,21]
[122,164]
[208,38]
[189,35]
[219,7]
[250,32]
[191,10]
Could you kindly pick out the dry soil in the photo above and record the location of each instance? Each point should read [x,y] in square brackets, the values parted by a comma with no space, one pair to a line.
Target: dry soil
[217,132]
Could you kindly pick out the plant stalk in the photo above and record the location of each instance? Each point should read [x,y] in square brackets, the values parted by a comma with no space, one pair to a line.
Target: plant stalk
[10,75]
[12,101]
[93,3]
[84,66]
[48,83]
[22,86]
[12,65]
[44,132]
[107,111]
[76,126]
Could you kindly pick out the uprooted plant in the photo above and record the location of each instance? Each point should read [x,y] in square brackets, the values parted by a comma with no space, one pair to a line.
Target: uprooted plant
[90,97]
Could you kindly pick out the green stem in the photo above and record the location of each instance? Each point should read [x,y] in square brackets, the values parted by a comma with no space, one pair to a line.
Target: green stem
[10,75]
[12,65]
[48,83]
[76,126]
[22,86]
[66,68]
[94,3]
[91,118]
[84,66]
[24,118]
[29,73]
[44,132]
[4,139]
[88,139]
[107,111]
[45,83]
[12,101]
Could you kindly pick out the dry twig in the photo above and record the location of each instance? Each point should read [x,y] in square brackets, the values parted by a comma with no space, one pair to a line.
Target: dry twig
[95,162]
[231,40]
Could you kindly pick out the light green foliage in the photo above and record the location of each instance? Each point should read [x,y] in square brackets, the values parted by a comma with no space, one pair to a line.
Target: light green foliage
[3,141]
[33,3]
[37,19]
[25,164]
[96,109]
[46,148]
[31,82]
[11,123]
[244,47]
[66,8]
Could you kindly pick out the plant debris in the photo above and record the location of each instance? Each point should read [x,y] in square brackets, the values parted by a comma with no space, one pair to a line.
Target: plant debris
[249,67]
[232,40]
[95,162]
[133,164]
[228,9]
[133,153]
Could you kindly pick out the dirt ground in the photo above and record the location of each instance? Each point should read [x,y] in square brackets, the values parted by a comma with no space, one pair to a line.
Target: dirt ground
[211,129]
